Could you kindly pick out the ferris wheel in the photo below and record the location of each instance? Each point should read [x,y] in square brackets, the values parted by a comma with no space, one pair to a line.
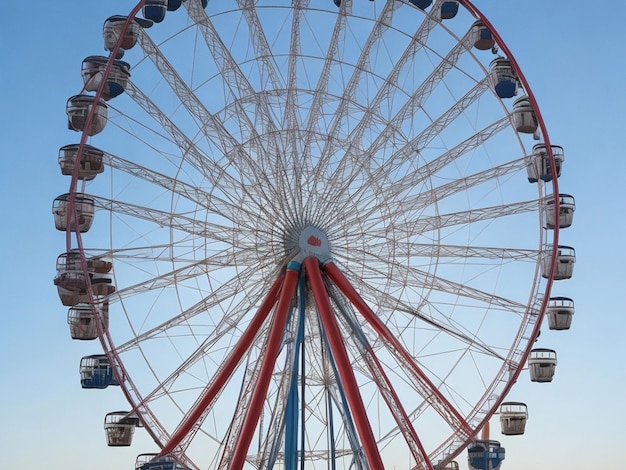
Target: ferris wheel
[304,232]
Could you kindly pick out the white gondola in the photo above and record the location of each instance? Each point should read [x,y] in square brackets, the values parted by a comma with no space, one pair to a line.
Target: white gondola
[70,278]
[567,206]
[564,266]
[143,459]
[91,161]
[71,281]
[451,466]
[503,77]
[542,364]
[524,118]
[77,110]
[82,320]
[113,27]
[538,163]
[481,36]
[119,427]
[560,311]
[513,417]
[93,69]
[84,206]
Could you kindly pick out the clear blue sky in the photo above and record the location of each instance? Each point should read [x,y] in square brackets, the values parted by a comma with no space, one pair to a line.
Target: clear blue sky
[572,53]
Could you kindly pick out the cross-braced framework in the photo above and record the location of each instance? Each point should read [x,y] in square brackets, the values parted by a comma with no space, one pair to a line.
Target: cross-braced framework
[324,246]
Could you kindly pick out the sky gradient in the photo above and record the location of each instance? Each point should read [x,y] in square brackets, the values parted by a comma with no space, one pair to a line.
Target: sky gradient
[572,57]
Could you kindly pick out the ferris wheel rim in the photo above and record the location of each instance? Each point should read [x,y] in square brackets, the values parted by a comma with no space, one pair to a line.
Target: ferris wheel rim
[111,350]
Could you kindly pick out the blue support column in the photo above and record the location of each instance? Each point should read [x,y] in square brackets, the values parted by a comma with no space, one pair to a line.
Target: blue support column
[293,400]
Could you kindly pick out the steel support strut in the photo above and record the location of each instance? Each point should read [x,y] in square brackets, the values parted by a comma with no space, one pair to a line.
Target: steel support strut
[222,376]
[389,395]
[340,355]
[391,398]
[440,403]
[259,394]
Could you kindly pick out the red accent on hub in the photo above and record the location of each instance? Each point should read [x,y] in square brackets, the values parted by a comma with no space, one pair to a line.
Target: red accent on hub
[314,241]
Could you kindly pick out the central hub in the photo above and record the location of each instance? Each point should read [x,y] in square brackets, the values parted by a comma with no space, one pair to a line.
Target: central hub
[314,242]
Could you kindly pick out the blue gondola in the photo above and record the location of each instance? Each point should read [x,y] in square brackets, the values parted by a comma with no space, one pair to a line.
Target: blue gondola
[485,455]
[173,5]
[449,10]
[96,372]
[154,10]
[151,462]
[421,4]
[503,77]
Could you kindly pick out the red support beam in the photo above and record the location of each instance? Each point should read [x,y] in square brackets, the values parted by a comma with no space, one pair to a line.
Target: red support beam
[259,394]
[344,367]
[350,292]
[222,376]
[394,404]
